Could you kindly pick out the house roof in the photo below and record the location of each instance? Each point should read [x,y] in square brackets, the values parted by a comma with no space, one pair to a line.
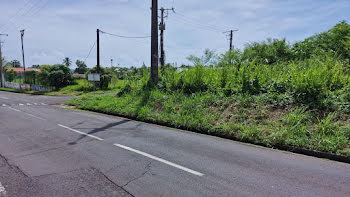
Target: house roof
[19,70]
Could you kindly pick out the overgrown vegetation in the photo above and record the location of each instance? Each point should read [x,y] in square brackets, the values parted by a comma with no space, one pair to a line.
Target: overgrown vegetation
[271,93]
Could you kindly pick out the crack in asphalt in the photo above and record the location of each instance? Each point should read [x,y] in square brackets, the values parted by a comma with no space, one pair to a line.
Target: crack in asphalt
[111,181]
[7,162]
[143,174]
[39,152]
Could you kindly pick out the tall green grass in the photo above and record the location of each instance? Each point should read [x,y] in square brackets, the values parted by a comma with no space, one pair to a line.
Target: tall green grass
[303,104]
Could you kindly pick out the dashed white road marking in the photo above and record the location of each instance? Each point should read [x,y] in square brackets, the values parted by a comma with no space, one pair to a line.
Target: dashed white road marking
[34,116]
[4,97]
[81,133]
[21,104]
[2,189]
[160,160]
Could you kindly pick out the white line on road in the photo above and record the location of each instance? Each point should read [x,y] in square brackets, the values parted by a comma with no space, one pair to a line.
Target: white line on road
[160,160]
[29,104]
[34,116]
[2,189]
[4,97]
[4,105]
[43,104]
[20,104]
[92,136]
[14,109]
[28,114]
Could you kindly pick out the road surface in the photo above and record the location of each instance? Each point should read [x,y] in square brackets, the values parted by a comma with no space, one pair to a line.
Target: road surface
[47,150]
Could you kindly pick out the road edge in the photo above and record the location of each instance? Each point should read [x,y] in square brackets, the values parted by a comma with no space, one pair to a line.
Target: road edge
[301,151]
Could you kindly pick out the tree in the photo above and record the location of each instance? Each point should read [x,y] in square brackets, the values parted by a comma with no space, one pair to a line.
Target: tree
[336,41]
[67,61]
[232,57]
[36,66]
[13,64]
[81,67]
[57,76]
[209,57]
[270,51]
[105,76]
[10,75]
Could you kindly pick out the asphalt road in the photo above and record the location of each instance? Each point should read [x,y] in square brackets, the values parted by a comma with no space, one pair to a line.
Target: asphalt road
[47,150]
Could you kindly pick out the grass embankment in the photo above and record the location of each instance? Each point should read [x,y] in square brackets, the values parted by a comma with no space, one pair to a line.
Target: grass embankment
[303,105]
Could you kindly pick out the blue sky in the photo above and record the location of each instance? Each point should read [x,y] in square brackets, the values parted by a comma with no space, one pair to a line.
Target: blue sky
[67,28]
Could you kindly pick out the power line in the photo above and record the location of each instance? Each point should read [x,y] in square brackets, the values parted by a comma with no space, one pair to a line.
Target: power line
[33,5]
[23,14]
[122,36]
[193,21]
[17,12]
[195,26]
[90,51]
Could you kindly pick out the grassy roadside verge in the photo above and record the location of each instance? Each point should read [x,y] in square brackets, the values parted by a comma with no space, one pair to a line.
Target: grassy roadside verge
[242,118]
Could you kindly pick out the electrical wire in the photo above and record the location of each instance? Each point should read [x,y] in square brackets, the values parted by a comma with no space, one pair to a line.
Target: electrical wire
[16,13]
[90,51]
[193,21]
[19,13]
[121,36]
[26,12]
[194,26]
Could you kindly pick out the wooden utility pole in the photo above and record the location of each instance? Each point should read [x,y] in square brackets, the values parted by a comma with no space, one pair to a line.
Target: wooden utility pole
[1,69]
[24,64]
[231,35]
[162,29]
[98,51]
[154,42]
[231,38]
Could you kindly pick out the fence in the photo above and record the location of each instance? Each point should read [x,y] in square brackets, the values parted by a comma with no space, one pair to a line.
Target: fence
[20,86]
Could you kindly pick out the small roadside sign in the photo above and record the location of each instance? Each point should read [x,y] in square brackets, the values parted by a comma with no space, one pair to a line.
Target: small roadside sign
[93,77]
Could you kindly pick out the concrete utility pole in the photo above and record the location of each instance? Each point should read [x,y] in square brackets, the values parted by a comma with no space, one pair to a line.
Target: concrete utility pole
[154,42]
[98,51]
[231,38]
[24,64]
[1,69]
[162,28]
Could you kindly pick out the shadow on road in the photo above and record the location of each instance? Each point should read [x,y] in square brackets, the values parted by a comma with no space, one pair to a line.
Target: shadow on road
[97,130]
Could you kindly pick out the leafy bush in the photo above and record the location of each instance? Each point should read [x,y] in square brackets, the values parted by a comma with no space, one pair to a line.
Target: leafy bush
[10,75]
[57,76]
[105,77]
[30,77]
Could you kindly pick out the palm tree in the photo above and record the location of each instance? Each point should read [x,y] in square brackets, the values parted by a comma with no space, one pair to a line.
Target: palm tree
[67,62]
